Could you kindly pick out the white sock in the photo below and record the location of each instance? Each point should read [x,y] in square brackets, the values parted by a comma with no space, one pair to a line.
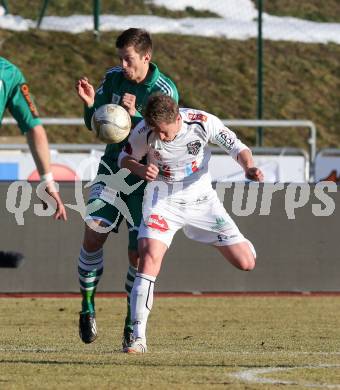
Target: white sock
[141,303]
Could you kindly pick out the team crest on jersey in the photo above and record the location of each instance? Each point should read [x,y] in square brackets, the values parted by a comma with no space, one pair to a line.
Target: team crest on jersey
[157,222]
[194,147]
[224,138]
[142,130]
[197,117]
[115,99]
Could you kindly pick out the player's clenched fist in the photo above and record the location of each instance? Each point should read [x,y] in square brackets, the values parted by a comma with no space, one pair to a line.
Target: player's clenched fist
[150,172]
[254,174]
[129,103]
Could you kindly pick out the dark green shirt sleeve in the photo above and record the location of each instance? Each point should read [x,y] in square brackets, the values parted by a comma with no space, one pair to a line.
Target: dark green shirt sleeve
[175,95]
[20,103]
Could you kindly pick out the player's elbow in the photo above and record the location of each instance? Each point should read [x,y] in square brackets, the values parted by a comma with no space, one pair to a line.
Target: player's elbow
[37,137]
[37,131]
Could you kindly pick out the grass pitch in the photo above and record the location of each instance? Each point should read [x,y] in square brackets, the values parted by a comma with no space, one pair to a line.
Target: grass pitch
[194,343]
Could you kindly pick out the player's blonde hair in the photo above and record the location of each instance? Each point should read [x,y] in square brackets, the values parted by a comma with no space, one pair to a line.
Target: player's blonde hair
[160,109]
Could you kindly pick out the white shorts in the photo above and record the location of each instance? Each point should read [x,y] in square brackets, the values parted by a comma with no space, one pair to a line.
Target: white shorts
[204,220]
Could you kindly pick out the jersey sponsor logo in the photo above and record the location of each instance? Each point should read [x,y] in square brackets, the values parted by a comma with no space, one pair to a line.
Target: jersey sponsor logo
[194,166]
[128,148]
[191,168]
[115,98]
[26,93]
[194,147]
[224,138]
[202,199]
[220,224]
[197,117]
[100,191]
[224,238]
[157,222]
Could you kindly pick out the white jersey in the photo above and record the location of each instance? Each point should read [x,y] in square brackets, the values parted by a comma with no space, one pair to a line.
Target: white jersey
[183,162]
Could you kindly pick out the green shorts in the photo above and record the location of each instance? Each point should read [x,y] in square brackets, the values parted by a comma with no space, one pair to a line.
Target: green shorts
[108,204]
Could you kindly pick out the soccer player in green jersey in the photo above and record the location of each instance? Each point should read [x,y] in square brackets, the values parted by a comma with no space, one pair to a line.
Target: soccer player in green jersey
[129,85]
[15,96]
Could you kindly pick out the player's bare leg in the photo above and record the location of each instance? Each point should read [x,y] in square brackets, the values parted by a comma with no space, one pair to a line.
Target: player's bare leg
[151,255]
[90,269]
[242,255]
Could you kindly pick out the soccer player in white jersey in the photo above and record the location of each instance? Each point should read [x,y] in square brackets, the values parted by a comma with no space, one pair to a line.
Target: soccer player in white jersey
[179,194]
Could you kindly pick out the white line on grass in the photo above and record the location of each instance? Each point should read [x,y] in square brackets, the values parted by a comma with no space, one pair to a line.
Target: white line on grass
[24,349]
[225,353]
[252,376]
[93,351]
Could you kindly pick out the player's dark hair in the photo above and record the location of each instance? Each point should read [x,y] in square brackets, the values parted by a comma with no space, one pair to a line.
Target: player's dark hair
[160,109]
[138,38]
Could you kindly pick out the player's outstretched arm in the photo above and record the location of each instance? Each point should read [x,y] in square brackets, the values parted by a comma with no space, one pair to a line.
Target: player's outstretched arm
[38,144]
[85,91]
[245,159]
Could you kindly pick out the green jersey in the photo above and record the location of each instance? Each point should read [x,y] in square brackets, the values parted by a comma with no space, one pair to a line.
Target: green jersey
[115,85]
[15,95]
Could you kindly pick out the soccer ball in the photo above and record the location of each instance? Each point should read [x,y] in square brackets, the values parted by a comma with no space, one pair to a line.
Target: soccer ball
[111,123]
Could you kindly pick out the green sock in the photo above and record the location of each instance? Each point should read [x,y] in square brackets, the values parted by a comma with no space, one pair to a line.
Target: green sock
[130,278]
[87,303]
[90,270]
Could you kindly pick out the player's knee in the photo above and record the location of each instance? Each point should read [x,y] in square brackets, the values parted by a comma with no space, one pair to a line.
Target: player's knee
[149,263]
[149,258]
[249,263]
[93,241]
[246,261]
[91,245]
